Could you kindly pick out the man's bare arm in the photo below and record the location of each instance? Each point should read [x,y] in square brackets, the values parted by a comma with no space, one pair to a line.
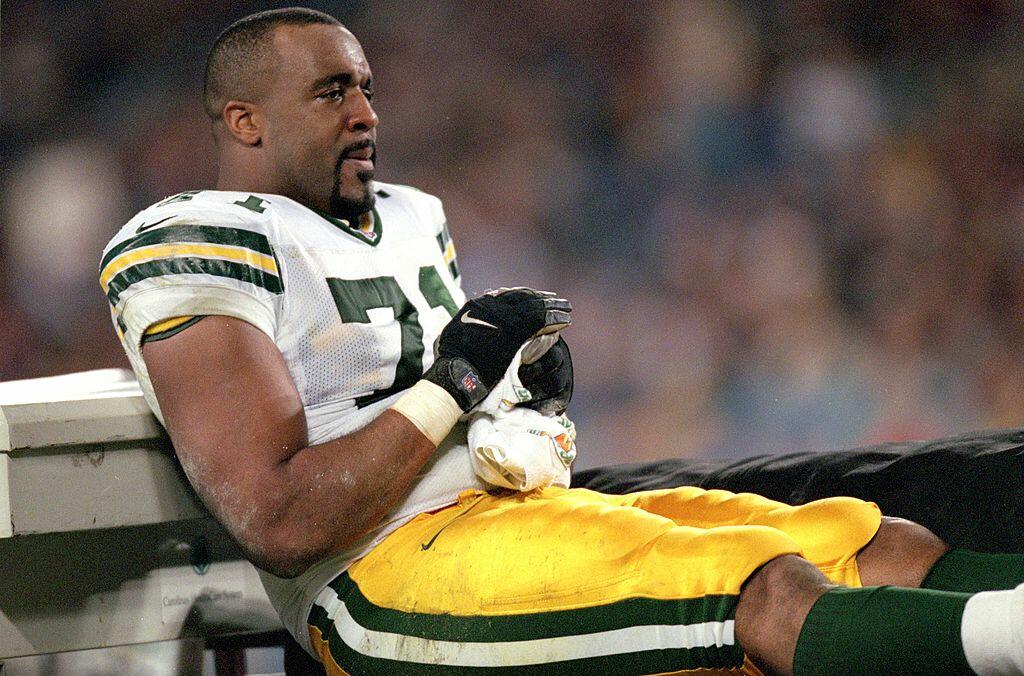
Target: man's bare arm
[238,427]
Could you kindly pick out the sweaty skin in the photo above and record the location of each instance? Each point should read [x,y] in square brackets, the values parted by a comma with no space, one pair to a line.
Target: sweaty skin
[229,403]
[238,427]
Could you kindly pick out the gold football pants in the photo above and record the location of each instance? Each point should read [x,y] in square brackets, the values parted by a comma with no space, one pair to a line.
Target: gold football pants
[570,581]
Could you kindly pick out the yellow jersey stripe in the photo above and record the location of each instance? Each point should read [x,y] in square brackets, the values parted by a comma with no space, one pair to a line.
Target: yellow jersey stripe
[144,254]
[166,325]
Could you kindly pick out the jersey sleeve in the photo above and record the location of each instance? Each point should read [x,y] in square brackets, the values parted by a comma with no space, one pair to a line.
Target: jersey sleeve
[430,209]
[451,259]
[436,216]
[447,247]
[156,279]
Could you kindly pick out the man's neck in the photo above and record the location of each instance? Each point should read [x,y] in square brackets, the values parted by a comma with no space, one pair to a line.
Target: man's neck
[235,180]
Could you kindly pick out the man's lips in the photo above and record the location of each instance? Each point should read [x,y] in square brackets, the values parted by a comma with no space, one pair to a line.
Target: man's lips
[359,163]
[360,158]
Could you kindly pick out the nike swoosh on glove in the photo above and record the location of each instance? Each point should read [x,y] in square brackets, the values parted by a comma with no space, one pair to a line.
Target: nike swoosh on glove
[477,345]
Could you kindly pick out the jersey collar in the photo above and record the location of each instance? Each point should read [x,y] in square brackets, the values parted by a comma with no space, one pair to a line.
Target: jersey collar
[368,229]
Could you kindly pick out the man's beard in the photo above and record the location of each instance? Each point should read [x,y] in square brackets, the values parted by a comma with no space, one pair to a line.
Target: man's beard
[348,208]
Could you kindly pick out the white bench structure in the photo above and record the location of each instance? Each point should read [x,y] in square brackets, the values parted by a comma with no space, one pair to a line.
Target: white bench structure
[102,541]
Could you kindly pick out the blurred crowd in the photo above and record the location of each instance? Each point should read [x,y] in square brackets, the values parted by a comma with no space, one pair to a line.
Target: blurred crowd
[783,225]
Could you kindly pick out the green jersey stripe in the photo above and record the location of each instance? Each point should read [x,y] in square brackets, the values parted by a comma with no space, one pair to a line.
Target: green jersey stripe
[193,234]
[367,655]
[524,627]
[195,266]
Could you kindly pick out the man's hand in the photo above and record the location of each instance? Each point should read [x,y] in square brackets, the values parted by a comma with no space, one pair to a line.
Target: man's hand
[549,380]
[476,347]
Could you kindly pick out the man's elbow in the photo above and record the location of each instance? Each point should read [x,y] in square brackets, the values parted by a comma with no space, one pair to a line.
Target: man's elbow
[286,550]
[280,557]
[281,566]
[282,544]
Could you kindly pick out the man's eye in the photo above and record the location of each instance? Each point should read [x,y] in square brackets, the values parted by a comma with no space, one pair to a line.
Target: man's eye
[368,93]
[333,94]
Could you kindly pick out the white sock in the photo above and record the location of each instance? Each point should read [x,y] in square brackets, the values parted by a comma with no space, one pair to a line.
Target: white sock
[992,632]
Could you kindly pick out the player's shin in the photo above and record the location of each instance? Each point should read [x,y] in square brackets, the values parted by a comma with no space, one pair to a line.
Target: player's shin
[895,630]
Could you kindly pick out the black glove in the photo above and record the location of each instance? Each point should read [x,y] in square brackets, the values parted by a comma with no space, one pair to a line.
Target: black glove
[549,380]
[476,347]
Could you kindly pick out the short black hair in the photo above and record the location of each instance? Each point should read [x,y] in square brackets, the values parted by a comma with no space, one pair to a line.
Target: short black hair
[236,62]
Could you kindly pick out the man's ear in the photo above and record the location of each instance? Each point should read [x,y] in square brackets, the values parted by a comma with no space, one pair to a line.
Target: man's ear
[244,122]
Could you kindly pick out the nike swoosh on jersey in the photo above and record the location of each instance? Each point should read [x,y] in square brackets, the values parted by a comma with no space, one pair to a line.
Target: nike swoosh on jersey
[466,319]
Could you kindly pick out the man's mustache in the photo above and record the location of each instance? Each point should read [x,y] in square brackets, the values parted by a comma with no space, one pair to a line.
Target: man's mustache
[366,143]
[349,150]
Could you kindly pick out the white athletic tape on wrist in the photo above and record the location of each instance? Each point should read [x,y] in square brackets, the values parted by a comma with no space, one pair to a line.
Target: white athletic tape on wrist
[992,632]
[430,408]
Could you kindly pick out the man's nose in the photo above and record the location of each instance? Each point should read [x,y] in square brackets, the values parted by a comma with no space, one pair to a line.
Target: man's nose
[362,117]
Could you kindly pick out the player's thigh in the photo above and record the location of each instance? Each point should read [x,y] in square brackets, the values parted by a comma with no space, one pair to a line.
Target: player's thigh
[568,577]
[829,532]
[558,543]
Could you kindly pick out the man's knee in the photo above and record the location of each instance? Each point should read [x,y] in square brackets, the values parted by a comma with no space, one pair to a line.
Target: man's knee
[772,608]
[901,554]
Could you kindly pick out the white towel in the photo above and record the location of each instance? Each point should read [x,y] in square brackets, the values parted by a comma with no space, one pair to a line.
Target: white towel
[519,448]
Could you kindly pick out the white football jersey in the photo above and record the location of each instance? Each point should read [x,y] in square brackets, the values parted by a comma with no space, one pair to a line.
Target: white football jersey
[354,309]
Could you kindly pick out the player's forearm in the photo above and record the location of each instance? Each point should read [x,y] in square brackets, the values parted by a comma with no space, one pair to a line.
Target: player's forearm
[337,491]
[313,500]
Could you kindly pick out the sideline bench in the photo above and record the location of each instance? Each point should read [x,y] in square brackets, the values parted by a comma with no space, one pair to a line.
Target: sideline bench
[102,541]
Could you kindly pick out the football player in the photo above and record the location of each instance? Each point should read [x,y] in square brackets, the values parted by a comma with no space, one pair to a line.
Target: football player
[282,327]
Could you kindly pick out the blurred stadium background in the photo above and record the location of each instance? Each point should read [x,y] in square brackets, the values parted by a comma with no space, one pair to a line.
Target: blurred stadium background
[784,226]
